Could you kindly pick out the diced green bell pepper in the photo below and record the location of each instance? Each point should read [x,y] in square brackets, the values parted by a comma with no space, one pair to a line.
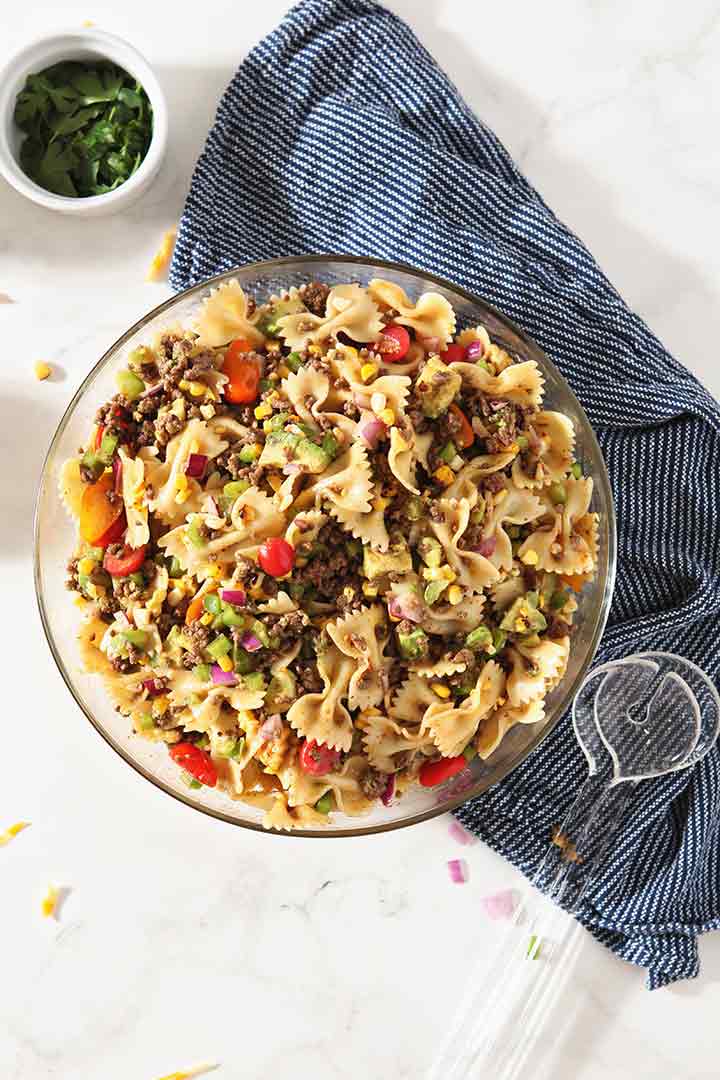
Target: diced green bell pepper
[138,638]
[129,384]
[220,646]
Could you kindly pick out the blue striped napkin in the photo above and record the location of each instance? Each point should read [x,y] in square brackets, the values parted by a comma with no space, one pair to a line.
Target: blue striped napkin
[340,133]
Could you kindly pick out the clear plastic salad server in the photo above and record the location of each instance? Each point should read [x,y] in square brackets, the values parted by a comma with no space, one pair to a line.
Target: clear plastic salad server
[641,717]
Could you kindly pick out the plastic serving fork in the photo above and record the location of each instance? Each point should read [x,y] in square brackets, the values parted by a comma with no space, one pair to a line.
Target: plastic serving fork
[637,718]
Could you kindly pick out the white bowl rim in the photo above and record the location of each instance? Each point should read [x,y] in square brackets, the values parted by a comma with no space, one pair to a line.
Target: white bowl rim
[114,49]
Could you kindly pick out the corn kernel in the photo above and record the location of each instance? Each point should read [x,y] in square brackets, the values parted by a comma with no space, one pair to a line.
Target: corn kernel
[368,372]
[444,475]
[530,558]
[207,411]
[369,589]
[272,346]
[454,594]
[380,503]
[86,566]
[275,481]
[181,482]
[178,408]
[348,592]
[387,416]
[225,663]
[261,411]
[315,350]
[183,384]
[197,389]
[206,619]
[42,370]
[514,448]
[194,446]
[160,705]
[214,572]
[440,690]
[351,352]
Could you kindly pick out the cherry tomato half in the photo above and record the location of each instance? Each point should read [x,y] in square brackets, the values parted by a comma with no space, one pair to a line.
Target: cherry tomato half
[394,343]
[243,373]
[125,564]
[453,354]
[318,759]
[276,557]
[195,761]
[434,772]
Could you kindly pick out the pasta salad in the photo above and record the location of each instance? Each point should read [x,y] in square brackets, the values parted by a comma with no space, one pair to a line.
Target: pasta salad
[329,546]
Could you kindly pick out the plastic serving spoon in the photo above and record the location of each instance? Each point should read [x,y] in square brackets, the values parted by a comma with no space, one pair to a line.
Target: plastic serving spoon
[645,716]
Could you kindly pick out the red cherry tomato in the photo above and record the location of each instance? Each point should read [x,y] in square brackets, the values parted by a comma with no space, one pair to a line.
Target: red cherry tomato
[195,761]
[394,343]
[434,772]
[242,372]
[276,557]
[125,564]
[453,354]
[113,533]
[318,759]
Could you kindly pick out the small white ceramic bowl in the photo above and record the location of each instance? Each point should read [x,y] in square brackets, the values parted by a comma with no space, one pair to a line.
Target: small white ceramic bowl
[87,44]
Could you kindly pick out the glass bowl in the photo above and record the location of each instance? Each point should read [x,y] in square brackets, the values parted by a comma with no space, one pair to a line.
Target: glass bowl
[55,538]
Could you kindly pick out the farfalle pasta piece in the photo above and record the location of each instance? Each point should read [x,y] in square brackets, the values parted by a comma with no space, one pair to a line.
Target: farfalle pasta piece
[473,570]
[495,726]
[533,667]
[556,545]
[224,316]
[432,316]
[304,528]
[513,506]
[459,618]
[554,454]
[348,482]
[133,496]
[285,818]
[349,309]
[370,528]
[174,493]
[402,460]
[308,382]
[465,484]
[504,593]
[438,669]
[520,383]
[280,604]
[383,738]
[322,716]
[356,636]
[453,726]
[411,700]
[71,487]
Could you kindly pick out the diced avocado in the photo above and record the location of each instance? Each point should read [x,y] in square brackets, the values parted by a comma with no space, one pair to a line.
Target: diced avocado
[294,361]
[325,804]
[430,551]
[254,680]
[523,616]
[281,692]
[436,386]
[413,645]
[92,466]
[434,590]
[223,745]
[276,422]
[479,638]
[478,513]
[249,453]
[269,323]
[279,448]
[312,458]
[396,560]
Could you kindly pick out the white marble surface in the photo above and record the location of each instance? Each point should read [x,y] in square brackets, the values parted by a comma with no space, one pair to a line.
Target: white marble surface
[183,940]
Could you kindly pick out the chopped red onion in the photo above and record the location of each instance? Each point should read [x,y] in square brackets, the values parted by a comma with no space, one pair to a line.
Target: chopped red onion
[150,391]
[486,547]
[237,597]
[458,871]
[459,833]
[406,606]
[389,793]
[250,642]
[475,351]
[196,465]
[500,905]
[372,431]
[152,687]
[271,727]
[223,678]
[117,474]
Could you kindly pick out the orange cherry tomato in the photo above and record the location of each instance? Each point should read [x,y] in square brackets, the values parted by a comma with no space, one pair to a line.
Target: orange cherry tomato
[101,521]
[194,611]
[242,372]
[465,436]
[434,772]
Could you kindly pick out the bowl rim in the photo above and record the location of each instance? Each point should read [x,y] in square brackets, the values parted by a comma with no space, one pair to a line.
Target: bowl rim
[454,802]
[116,50]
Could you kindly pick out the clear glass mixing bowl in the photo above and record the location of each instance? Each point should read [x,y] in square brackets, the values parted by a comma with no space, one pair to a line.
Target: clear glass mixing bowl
[55,539]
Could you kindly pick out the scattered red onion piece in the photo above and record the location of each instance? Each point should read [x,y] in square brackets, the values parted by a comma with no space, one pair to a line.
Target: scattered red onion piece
[196,465]
[500,905]
[237,597]
[461,834]
[458,871]
[475,351]
[389,793]
[150,391]
[372,431]
[152,687]
[486,547]
[250,642]
[223,678]
[271,727]
[407,606]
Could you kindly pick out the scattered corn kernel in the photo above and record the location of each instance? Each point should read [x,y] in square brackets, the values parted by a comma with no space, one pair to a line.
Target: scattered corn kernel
[387,416]
[275,481]
[514,448]
[181,482]
[178,408]
[348,592]
[530,558]
[272,346]
[444,475]
[86,566]
[214,572]
[42,370]
[162,256]
[380,503]
[225,663]
[368,372]
[378,402]
[206,619]
[12,831]
[369,589]
[50,901]
[197,389]
[315,350]
[261,411]
[454,595]
[439,689]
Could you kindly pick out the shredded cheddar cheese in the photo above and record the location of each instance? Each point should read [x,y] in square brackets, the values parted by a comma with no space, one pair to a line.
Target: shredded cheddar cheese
[162,256]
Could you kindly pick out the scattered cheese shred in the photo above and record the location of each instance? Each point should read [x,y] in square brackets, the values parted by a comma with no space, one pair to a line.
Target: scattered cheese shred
[50,901]
[187,1074]
[12,831]
[42,370]
[162,256]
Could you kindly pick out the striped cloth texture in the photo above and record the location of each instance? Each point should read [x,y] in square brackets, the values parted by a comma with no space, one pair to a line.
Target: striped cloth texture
[340,133]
